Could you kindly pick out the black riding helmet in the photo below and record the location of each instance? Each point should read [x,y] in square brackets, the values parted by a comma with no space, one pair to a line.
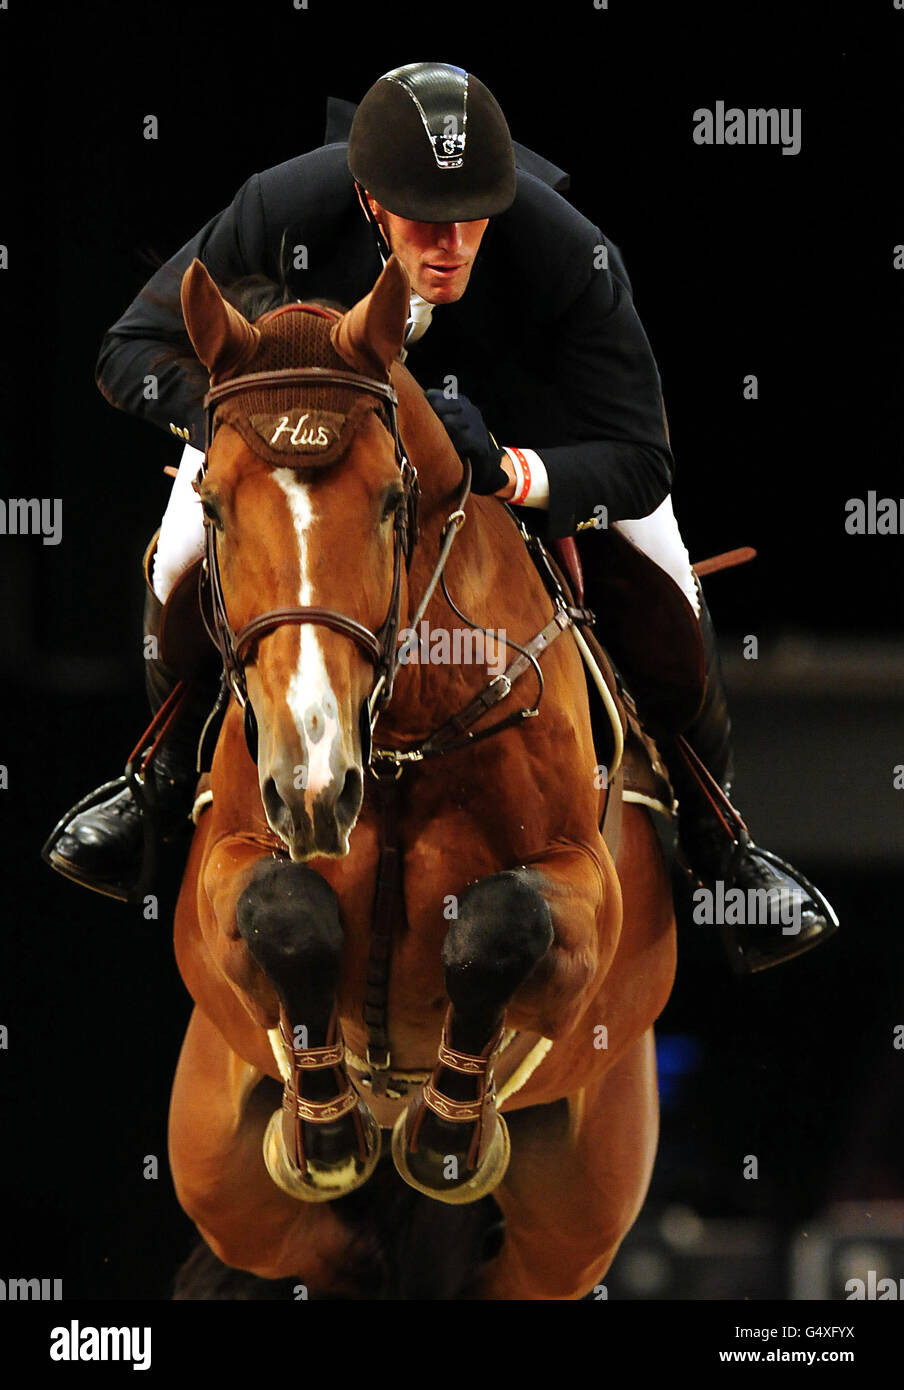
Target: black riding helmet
[430,143]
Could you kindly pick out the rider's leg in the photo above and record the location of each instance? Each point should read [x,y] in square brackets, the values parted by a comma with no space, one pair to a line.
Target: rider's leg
[102,845]
[716,849]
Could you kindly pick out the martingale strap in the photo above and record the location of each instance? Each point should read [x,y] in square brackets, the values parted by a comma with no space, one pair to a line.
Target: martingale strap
[387,900]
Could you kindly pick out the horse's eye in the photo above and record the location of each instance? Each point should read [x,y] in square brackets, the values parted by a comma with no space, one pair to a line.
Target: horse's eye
[212,512]
[391,503]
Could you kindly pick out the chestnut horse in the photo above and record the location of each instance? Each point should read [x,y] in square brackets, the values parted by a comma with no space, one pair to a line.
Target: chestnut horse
[439,960]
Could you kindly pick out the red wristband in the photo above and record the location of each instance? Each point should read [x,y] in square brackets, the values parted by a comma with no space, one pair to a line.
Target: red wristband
[525,468]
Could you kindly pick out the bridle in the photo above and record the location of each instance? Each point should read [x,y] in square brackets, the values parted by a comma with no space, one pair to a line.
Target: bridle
[381,647]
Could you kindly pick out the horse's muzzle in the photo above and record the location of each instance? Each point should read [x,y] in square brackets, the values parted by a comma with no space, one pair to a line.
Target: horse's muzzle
[312,824]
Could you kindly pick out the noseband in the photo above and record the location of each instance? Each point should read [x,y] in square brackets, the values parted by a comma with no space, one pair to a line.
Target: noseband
[380,647]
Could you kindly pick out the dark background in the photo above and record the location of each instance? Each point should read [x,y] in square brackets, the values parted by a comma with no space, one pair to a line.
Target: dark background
[743,261]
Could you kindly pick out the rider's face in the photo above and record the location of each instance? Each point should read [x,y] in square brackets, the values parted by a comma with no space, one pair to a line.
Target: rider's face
[438,256]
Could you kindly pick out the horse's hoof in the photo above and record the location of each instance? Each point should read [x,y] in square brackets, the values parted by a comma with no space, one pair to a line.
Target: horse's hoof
[485,1180]
[320,1182]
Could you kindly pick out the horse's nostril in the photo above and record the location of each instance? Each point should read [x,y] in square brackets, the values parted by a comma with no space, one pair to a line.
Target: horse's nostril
[348,802]
[273,802]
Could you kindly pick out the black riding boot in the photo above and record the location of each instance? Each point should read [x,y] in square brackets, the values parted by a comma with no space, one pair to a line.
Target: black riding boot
[778,914]
[101,841]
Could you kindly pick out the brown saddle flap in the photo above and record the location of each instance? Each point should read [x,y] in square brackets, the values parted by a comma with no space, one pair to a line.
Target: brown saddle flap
[185,646]
[648,627]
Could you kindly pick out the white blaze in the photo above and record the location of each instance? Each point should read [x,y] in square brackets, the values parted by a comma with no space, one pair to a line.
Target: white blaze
[310,683]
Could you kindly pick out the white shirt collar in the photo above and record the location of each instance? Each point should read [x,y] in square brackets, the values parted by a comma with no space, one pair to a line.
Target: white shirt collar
[419,314]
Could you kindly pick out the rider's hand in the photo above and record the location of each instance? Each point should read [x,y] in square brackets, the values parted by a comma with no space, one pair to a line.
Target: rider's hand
[465,427]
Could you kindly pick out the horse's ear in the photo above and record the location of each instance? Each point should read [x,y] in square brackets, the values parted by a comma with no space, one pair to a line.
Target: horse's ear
[370,335]
[223,339]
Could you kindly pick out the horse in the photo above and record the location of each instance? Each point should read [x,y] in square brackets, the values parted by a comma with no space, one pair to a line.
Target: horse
[421,985]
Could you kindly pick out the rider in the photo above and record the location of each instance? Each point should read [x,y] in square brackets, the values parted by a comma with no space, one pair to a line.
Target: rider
[517,300]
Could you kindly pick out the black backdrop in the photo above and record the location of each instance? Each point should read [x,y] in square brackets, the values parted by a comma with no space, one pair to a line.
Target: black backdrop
[744,260]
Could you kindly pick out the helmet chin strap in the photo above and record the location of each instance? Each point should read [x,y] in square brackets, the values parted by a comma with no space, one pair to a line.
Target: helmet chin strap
[383,246]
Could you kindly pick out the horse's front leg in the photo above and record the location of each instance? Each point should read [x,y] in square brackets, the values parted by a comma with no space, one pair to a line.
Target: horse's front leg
[506,944]
[324,1142]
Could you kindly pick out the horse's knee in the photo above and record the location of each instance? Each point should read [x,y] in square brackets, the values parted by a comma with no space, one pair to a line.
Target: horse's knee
[503,929]
[288,916]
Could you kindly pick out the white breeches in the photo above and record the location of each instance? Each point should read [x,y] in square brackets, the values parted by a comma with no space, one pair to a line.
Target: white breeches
[657,535]
[181,539]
